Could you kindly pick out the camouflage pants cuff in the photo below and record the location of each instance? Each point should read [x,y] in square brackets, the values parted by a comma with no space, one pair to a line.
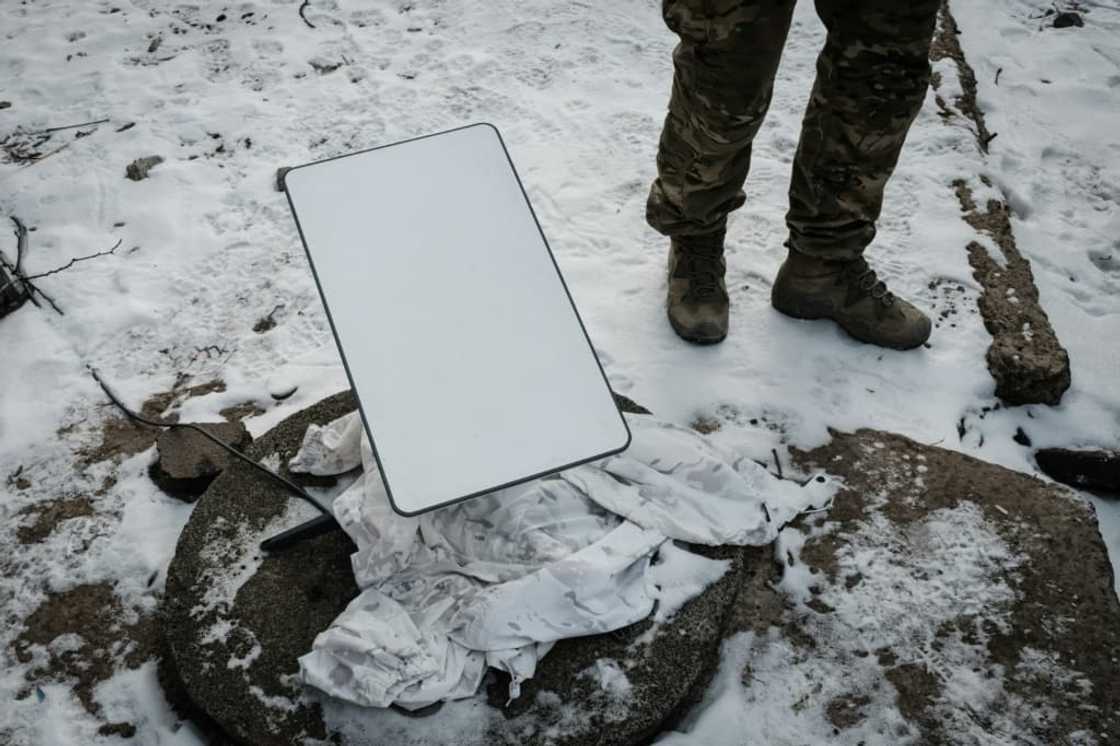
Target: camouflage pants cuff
[836,249]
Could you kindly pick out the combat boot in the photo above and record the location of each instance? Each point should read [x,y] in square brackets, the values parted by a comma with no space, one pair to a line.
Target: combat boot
[697,303]
[849,293]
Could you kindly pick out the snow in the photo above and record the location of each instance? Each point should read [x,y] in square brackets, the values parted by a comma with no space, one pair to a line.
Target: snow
[52,716]
[130,693]
[1058,156]
[771,689]
[610,678]
[615,692]
[680,575]
[579,94]
[244,553]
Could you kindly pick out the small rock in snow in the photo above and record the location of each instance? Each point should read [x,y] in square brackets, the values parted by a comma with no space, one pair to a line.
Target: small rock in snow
[188,462]
[324,66]
[283,392]
[1092,469]
[1068,18]
[140,167]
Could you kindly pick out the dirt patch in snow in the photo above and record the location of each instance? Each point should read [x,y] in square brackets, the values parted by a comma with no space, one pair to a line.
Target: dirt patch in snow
[847,710]
[80,636]
[48,515]
[705,425]
[17,480]
[947,45]
[244,410]
[1029,364]
[121,437]
[1027,361]
[918,690]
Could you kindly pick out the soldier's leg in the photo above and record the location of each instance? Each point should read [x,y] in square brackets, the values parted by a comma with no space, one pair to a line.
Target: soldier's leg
[723,77]
[871,80]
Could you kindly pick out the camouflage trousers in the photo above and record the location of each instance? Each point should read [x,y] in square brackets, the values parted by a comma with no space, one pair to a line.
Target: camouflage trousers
[871,80]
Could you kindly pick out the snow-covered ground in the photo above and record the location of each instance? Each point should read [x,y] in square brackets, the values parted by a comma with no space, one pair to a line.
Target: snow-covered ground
[229,92]
[1053,97]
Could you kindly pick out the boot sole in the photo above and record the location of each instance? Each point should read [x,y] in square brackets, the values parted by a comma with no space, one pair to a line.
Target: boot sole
[695,338]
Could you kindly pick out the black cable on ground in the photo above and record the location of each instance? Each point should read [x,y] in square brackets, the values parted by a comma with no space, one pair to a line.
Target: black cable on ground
[292,486]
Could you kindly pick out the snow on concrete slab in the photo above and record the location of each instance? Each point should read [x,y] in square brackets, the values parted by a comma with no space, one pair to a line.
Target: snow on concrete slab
[941,600]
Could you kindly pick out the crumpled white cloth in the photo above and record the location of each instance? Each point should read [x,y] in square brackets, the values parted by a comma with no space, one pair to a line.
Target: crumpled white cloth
[496,580]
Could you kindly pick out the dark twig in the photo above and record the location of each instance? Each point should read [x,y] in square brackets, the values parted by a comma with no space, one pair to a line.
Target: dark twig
[303,6]
[21,242]
[74,261]
[10,282]
[14,269]
[47,298]
[997,75]
[13,279]
[67,127]
[30,288]
[777,462]
[209,350]
[56,151]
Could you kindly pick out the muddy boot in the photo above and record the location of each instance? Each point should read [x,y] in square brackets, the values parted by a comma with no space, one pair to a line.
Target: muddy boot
[849,293]
[698,307]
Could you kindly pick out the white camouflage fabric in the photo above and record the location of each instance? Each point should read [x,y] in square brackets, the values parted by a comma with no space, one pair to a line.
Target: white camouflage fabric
[494,581]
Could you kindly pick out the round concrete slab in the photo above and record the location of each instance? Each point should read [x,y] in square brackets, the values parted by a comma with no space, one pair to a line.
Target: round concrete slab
[236,620]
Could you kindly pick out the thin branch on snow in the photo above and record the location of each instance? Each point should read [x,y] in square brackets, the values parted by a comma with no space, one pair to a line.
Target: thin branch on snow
[74,261]
[67,127]
[25,281]
[46,297]
[45,156]
[8,284]
[39,159]
[13,278]
[303,6]
[16,274]
[21,242]
[29,287]
[211,351]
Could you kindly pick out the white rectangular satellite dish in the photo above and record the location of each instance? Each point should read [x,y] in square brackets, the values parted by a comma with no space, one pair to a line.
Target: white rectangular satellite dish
[471,366]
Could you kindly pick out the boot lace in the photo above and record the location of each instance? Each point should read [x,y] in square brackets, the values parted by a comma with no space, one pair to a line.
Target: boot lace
[701,263]
[863,282]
